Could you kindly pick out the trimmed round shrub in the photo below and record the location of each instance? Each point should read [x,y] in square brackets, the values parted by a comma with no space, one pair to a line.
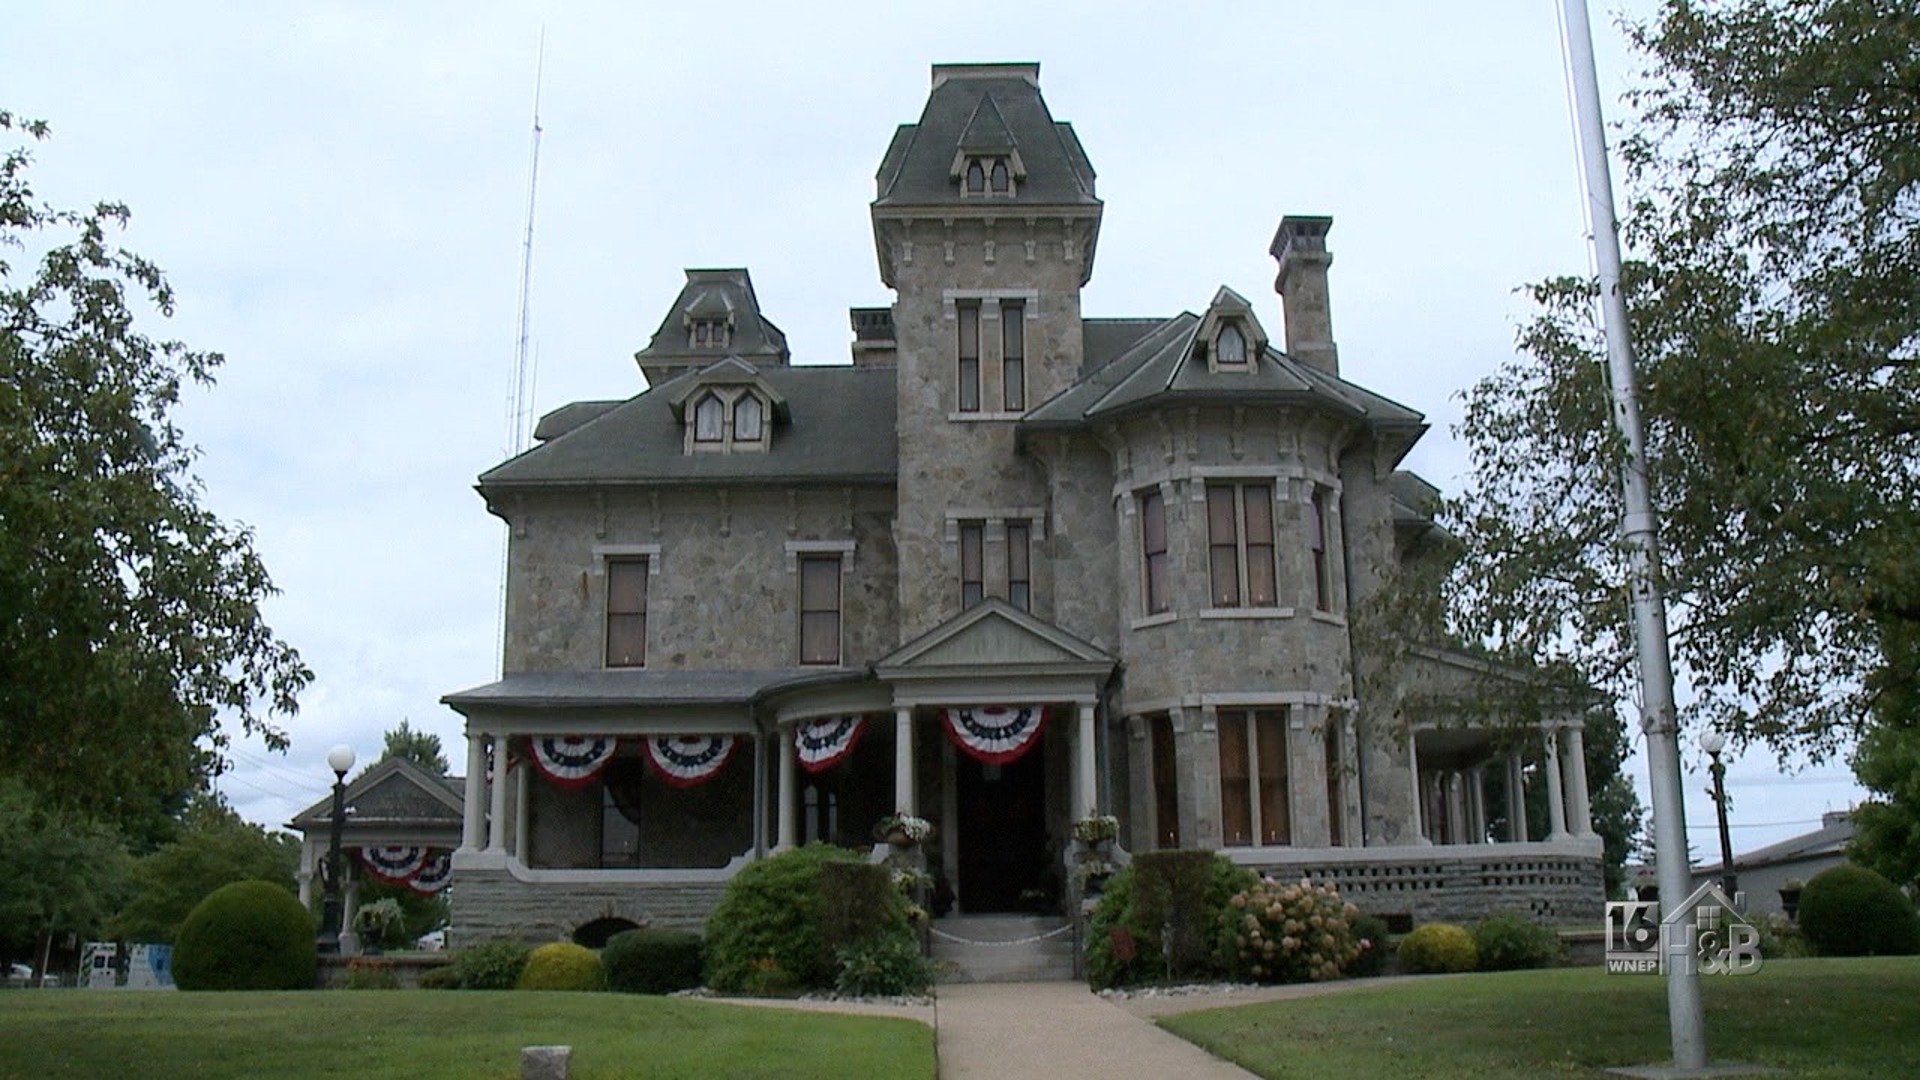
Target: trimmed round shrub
[250,935]
[764,935]
[1370,933]
[562,965]
[653,961]
[1511,942]
[1438,947]
[490,965]
[1852,911]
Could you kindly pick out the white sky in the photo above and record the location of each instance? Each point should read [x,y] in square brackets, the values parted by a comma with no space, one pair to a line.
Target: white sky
[338,193]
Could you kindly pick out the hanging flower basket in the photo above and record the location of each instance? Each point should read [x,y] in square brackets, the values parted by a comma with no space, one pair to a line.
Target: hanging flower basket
[902,829]
[1100,829]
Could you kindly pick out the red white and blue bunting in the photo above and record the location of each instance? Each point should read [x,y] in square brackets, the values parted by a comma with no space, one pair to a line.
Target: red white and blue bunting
[434,873]
[572,760]
[821,744]
[393,865]
[687,760]
[995,734]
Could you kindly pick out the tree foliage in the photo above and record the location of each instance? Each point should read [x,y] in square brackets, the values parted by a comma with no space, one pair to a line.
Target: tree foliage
[420,747]
[216,848]
[1774,287]
[58,874]
[130,616]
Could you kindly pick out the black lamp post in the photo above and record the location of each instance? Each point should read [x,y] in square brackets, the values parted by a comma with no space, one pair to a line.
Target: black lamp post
[1713,742]
[339,759]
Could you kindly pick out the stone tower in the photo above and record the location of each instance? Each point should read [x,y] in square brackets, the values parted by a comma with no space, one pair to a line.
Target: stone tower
[984,223]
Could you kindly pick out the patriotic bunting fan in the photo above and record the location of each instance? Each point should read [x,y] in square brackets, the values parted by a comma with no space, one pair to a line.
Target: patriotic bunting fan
[572,760]
[995,734]
[688,760]
[434,873]
[822,744]
[393,865]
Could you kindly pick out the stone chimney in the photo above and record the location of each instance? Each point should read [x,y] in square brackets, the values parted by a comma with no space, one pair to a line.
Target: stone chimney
[1300,246]
[873,338]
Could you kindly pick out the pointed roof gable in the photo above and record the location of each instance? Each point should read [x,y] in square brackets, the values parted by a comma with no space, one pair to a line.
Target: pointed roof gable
[733,371]
[986,129]
[994,104]
[994,634]
[394,793]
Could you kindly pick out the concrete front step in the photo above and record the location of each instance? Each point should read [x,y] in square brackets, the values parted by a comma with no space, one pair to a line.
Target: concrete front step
[1003,948]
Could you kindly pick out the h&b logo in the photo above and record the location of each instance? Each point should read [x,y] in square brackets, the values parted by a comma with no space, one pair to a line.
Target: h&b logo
[1713,942]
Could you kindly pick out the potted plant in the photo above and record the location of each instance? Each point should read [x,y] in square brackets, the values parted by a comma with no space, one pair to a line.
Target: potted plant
[1790,897]
[902,829]
[1097,830]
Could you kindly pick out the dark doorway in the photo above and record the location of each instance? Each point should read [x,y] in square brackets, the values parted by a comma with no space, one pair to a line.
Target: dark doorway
[1003,834]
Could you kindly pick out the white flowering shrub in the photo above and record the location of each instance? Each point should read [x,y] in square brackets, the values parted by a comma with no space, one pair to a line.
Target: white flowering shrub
[1292,933]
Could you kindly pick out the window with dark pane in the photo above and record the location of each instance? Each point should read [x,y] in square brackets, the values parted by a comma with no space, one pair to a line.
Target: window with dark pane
[976,177]
[1020,565]
[626,612]
[972,563]
[1336,780]
[1317,544]
[1001,179]
[1013,353]
[820,609]
[1153,549]
[1257,512]
[1166,785]
[969,316]
[1236,781]
[1270,733]
[1223,545]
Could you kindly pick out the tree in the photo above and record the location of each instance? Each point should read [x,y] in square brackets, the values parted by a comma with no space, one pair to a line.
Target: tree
[130,616]
[216,848]
[420,747]
[58,874]
[1886,835]
[1774,290]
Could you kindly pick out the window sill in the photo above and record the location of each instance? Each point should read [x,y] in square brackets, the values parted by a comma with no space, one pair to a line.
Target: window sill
[1329,618]
[972,417]
[1162,619]
[1247,613]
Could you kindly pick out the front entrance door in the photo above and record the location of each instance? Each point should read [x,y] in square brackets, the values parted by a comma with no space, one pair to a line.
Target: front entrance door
[1003,832]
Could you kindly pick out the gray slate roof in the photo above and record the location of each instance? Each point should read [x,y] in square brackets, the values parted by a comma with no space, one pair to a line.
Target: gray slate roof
[726,294]
[841,430]
[633,686]
[918,167]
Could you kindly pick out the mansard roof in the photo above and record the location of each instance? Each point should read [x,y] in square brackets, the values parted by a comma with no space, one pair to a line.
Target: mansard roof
[839,427]
[725,295]
[985,107]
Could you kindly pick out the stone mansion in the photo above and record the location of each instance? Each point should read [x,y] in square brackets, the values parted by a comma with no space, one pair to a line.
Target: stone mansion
[1012,567]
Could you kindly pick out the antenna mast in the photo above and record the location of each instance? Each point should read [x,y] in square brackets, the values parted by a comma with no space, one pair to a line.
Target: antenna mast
[520,384]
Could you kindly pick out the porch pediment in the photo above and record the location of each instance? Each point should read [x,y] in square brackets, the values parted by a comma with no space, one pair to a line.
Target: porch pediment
[395,792]
[994,637]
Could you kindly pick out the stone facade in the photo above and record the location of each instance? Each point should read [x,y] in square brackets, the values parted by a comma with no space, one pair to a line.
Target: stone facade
[1151,532]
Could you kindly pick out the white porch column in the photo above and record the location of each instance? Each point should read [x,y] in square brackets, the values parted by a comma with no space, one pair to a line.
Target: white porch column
[1413,779]
[1556,795]
[789,830]
[520,786]
[474,827]
[903,796]
[305,874]
[1477,804]
[1579,804]
[497,825]
[1455,793]
[1516,799]
[1085,785]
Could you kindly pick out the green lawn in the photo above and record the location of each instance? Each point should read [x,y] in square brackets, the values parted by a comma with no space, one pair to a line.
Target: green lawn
[1816,1018]
[429,1035]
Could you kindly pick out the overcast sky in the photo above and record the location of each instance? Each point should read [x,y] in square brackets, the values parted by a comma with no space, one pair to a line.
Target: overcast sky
[339,193]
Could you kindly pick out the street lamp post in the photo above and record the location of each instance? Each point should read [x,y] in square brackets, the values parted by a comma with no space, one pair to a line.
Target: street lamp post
[1713,742]
[340,760]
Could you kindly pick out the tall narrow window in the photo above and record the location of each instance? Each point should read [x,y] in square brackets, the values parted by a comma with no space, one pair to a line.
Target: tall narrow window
[747,415]
[1013,353]
[973,581]
[1336,781]
[976,177]
[626,613]
[1236,781]
[1270,730]
[969,315]
[1001,179]
[1166,787]
[1230,347]
[820,610]
[1020,565]
[710,420]
[1240,544]
[1317,544]
[1153,550]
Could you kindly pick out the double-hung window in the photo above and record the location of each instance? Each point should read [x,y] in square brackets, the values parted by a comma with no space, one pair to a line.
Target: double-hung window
[1153,552]
[969,369]
[1317,546]
[1020,565]
[973,578]
[820,609]
[1240,544]
[626,612]
[1013,355]
[1253,777]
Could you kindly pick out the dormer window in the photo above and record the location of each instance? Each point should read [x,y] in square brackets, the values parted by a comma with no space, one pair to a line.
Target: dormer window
[989,176]
[747,416]
[976,177]
[1230,347]
[710,420]
[1000,179]
[709,333]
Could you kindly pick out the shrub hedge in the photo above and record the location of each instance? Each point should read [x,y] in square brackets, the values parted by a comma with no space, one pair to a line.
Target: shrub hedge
[562,965]
[1438,947]
[490,965]
[1370,932]
[1198,885]
[250,935]
[1512,942]
[1852,911]
[883,965]
[764,935]
[653,961]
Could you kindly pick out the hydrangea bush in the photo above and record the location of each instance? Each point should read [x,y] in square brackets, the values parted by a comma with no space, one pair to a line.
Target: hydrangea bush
[1293,932]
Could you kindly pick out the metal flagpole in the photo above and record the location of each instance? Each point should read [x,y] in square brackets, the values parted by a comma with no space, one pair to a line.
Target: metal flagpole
[1641,531]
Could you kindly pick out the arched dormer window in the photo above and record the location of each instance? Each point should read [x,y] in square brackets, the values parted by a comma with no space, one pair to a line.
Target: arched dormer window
[748,414]
[1230,346]
[976,177]
[710,420]
[1000,178]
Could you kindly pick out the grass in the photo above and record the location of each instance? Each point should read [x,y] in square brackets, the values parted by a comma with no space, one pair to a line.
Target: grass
[1827,1019]
[436,1035]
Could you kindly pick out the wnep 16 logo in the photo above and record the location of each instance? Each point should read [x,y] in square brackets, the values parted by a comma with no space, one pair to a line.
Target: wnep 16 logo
[1702,936]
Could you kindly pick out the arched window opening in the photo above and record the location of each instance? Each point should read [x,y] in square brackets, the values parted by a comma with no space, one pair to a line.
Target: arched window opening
[1002,180]
[976,177]
[1230,346]
[709,420]
[747,415]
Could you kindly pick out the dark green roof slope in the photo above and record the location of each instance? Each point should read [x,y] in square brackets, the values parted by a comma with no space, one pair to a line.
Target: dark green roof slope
[725,295]
[840,428]
[918,167]
[1101,340]
[639,686]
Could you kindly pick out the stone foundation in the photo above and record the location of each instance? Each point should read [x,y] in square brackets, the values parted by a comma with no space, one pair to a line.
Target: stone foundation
[497,903]
[1551,883]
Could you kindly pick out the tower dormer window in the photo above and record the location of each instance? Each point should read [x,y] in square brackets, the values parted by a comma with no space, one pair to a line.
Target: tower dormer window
[710,333]
[1230,346]
[710,420]
[999,178]
[988,175]
[976,177]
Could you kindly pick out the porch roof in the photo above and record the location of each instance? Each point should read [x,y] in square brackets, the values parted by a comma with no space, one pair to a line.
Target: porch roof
[639,686]
[995,637]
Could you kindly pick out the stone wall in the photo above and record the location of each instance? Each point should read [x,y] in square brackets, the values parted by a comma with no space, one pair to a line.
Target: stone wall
[1456,884]
[494,903]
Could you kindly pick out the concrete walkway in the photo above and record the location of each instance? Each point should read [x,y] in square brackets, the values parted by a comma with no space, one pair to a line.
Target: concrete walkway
[1057,1030]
